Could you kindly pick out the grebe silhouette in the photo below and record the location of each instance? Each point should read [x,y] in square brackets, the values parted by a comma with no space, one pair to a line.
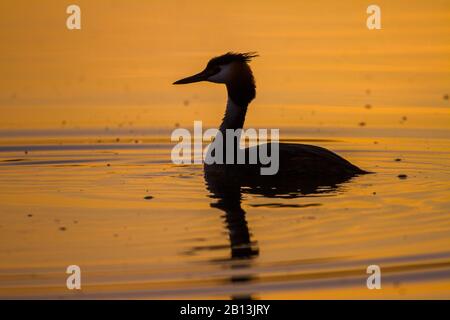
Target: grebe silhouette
[298,161]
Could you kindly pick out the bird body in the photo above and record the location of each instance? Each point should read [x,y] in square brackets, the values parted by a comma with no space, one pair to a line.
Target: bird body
[296,161]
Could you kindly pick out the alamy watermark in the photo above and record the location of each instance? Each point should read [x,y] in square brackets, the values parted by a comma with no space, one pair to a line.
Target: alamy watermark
[374,280]
[373,21]
[227,147]
[73,21]
[73,281]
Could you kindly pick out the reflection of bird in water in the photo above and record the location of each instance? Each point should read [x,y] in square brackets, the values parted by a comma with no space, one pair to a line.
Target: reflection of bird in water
[229,200]
[295,160]
[243,249]
[227,197]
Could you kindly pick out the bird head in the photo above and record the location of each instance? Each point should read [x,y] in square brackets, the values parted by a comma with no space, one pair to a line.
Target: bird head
[223,69]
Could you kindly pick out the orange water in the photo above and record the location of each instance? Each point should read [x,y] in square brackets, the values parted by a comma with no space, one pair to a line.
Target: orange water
[178,244]
[85,124]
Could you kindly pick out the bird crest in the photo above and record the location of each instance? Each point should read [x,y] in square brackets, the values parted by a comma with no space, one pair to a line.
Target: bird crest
[230,57]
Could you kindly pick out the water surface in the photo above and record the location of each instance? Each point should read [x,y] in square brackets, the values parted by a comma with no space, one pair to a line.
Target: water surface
[85,170]
[71,199]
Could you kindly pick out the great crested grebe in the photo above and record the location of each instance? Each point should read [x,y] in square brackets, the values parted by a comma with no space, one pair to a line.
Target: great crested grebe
[295,160]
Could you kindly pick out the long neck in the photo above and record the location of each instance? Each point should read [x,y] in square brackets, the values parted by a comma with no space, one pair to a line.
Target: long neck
[241,91]
[234,117]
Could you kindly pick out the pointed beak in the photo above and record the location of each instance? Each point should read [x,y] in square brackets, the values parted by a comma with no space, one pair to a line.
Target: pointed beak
[202,76]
